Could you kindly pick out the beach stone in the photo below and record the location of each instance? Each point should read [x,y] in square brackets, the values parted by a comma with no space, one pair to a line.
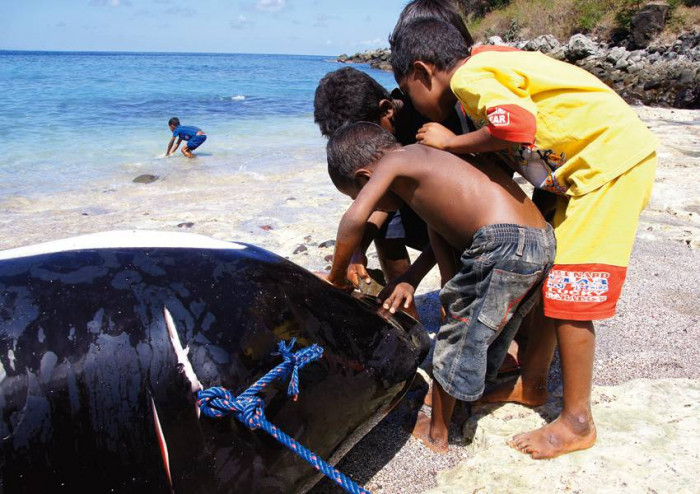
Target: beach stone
[187,224]
[495,40]
[544,44]
[580,46]
[327,243]
[267,228]
[616,54]
[145,179]
[301,248]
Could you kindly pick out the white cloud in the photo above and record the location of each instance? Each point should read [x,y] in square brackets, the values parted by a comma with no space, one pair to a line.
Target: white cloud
[270,5]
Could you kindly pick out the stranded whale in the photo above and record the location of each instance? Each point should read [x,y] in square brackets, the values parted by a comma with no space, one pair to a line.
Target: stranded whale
[105,339]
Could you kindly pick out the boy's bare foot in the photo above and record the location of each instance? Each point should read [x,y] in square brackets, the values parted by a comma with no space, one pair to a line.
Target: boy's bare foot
[514,391]
[562,436]
[422,431]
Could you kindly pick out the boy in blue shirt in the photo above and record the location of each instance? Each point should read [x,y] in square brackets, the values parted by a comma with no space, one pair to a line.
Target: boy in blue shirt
[192,135]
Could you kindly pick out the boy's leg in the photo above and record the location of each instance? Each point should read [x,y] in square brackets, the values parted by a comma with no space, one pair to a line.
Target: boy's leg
[434,431]
[187,152]
[584,285]
[530,387]
[574,429]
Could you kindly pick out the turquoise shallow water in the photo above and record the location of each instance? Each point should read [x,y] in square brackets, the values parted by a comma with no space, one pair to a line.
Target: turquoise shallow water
[71,119]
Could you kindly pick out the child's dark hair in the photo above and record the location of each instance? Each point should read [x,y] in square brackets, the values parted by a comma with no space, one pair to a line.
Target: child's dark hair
[444,10]
[354,146]
[427,40]
[346,96]
[174,121]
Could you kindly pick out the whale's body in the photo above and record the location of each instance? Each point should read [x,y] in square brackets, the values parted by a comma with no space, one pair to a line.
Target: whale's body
[104,340]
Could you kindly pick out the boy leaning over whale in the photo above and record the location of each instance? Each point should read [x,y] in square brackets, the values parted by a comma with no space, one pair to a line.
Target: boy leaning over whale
[568,133]
[507,250]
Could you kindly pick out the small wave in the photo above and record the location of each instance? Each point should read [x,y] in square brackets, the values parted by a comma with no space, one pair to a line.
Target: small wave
[238,97]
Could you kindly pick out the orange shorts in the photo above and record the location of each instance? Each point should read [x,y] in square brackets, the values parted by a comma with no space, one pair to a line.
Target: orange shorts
[595,234]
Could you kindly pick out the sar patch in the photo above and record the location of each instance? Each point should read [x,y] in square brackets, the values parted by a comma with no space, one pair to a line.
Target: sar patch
[498,116]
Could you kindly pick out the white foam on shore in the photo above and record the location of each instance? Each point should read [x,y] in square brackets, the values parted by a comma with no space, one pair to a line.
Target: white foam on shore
[122,239]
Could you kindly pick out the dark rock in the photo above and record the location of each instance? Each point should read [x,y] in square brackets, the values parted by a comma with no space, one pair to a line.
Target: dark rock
[267,228]
[145,179]
[647,23]
[301,248]
[328,258]
[187,224]
[327,243]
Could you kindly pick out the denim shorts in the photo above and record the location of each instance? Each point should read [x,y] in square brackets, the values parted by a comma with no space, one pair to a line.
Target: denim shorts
[500,281]
[196,141]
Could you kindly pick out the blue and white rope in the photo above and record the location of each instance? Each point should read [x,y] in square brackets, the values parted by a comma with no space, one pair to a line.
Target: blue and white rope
[249,408]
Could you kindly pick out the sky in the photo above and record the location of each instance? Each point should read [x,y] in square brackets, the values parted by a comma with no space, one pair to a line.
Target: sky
[302,27]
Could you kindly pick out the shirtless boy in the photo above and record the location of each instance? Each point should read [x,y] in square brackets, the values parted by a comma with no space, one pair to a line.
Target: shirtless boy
[507,250]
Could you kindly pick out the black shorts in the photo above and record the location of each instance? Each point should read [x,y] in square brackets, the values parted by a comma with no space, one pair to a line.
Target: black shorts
[407,226]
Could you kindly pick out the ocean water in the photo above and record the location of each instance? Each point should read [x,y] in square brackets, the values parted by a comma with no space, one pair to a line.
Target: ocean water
[72,119]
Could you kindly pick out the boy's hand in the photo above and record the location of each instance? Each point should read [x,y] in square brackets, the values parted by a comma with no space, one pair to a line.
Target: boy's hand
[395,293]
[435,135]
[357,270]
[344,285]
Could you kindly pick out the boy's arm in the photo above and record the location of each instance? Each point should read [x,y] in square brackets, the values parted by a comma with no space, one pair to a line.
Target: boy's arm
[170,145]
[358,264]
[480,141]
[352,226]
[402,288]
[179,140]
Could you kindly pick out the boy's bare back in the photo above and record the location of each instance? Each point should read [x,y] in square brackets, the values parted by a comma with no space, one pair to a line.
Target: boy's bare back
[454,197]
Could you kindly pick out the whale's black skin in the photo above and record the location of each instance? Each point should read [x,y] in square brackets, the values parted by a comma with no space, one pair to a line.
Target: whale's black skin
[85,356]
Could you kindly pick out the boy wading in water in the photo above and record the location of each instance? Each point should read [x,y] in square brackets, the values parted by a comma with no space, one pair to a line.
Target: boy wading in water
[507,249]
[568,133]
[193,136]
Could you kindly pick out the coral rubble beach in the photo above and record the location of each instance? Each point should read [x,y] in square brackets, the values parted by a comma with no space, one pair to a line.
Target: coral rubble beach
[647,378]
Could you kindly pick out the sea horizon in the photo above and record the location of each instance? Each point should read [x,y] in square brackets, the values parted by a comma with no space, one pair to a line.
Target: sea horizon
[87,52]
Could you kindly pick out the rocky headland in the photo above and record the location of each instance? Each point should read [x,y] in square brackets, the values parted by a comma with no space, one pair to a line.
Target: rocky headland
[641,68]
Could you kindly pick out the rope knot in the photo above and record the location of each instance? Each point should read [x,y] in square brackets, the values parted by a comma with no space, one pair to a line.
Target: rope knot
[252,412]
[216,402]
[297,360]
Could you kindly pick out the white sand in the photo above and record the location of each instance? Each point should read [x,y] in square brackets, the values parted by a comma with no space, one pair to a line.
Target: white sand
[648,436]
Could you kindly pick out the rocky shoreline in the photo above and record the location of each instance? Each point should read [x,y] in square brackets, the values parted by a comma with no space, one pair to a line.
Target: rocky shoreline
[660,74]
